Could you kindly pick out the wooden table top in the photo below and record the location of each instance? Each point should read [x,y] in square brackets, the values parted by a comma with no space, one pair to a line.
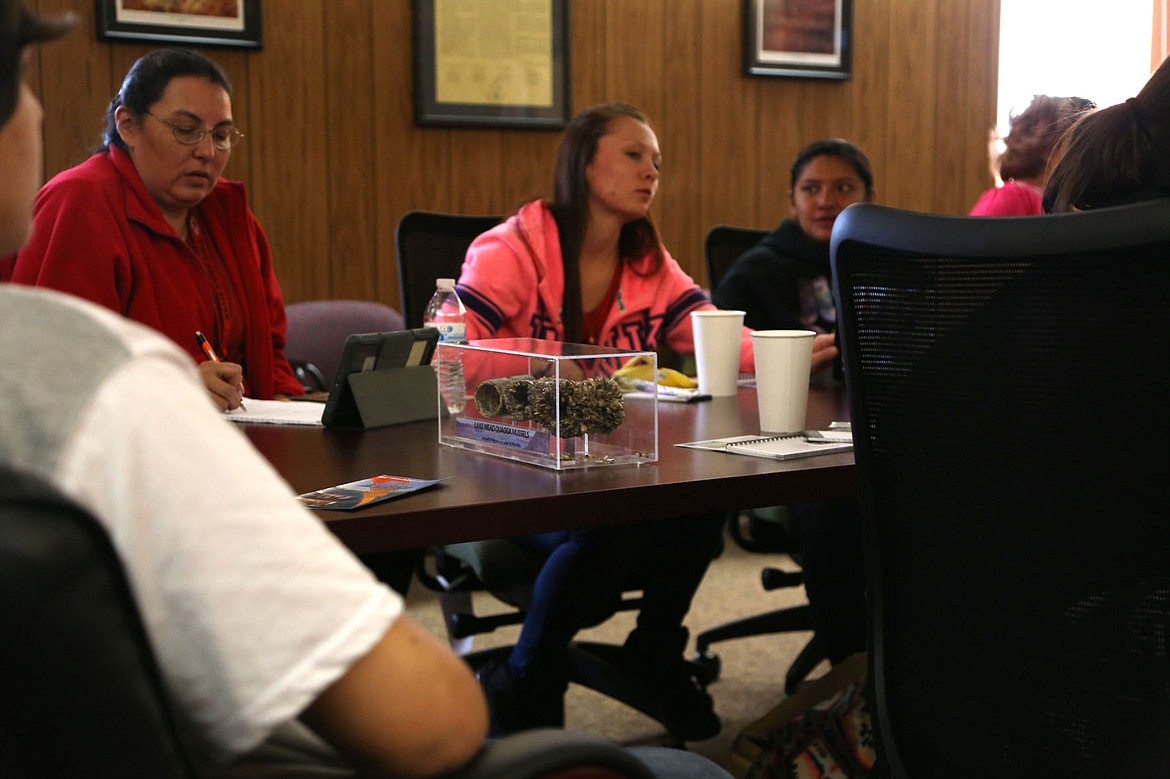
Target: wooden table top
[490,497]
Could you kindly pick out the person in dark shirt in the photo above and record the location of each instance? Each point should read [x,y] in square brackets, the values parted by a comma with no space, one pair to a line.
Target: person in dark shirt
[783,283]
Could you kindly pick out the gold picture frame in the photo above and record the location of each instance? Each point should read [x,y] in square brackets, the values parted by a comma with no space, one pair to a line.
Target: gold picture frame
[491,63]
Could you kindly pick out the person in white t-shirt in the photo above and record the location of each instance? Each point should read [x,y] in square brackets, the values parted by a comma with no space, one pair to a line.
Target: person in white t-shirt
[277,646]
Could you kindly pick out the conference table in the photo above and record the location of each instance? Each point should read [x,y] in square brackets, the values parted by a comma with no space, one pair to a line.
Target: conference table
[483,496]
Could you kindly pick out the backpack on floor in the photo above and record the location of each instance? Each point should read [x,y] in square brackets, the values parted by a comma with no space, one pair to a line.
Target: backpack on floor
[822,732]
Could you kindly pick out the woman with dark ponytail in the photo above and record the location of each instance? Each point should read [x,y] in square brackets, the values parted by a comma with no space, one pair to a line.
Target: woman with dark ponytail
[1116,155]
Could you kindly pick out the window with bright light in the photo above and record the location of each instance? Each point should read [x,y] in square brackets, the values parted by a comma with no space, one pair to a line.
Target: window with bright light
[1065,48]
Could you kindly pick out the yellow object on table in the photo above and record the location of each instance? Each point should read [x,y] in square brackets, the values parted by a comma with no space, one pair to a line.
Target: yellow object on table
[641,368]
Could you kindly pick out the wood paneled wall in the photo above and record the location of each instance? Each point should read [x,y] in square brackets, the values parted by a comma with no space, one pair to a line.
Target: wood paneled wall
[332,158]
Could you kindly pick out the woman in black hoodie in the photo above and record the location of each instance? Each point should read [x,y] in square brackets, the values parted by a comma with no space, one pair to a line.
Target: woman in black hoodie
[782,283]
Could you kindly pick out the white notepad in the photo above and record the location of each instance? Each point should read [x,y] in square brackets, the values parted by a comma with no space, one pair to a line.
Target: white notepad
[277,412]
[780,447]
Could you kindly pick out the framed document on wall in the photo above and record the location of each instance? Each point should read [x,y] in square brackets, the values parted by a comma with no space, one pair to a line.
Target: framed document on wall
[801,38]
[181,22]
[499,63]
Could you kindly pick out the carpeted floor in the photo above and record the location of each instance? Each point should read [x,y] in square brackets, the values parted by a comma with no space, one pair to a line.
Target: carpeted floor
[752,679]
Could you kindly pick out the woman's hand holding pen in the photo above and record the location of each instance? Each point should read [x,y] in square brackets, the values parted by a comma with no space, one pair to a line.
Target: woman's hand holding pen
[225,382]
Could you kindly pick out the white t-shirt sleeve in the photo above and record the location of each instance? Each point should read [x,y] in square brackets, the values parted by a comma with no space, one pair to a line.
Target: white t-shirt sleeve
[253,607]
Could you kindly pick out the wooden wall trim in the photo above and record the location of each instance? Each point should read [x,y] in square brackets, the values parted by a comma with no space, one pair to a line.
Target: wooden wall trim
[333,159]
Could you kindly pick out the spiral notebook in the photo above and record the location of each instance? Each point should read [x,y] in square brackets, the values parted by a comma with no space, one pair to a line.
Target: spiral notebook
[809,443]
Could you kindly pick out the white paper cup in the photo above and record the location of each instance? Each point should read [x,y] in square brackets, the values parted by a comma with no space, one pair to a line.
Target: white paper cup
[717,340]
[783,358]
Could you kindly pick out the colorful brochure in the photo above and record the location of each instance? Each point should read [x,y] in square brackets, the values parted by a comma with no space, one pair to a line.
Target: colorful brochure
[366,492]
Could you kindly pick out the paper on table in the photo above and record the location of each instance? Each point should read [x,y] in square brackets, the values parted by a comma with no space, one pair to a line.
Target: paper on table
[783,447]
[667,394]
[276,412]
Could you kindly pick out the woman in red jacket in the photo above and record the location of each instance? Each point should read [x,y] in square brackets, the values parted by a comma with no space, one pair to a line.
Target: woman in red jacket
[147,228]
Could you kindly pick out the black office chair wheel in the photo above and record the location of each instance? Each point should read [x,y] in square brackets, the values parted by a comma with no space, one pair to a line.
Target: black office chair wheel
[777,578]
[707,667]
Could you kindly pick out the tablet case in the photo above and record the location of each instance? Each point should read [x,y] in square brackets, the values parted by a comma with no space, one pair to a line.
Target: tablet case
[384,379]
[395,396]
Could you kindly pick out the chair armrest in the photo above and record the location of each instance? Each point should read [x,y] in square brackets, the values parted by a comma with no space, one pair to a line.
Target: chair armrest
[543,753]
[310,376]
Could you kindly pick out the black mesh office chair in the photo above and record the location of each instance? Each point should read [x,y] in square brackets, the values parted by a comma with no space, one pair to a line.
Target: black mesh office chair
[432,245]
[723,246]
[82,695]
[1008,384]
[751,530]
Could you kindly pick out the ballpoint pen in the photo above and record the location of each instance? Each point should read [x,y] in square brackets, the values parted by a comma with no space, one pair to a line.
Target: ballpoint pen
[211,355]
[206,346]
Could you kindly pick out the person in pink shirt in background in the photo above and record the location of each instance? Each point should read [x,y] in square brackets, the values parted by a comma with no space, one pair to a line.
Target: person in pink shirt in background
[587,266]
[1023,166]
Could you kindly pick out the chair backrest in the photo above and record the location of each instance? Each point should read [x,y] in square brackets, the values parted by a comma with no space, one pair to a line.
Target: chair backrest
[80,694]
[431,246]
[1008,389]
[723,246]
[317,330]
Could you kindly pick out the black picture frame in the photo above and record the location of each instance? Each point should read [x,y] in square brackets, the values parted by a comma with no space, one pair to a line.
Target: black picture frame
[450,90]
[812,39]
[121,20]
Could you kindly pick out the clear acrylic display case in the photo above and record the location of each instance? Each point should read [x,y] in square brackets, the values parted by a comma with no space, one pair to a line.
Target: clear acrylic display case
[550,404]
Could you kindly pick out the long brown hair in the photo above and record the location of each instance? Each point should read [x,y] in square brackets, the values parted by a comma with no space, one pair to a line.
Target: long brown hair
[1117,155]
[1035,132]
[570,207]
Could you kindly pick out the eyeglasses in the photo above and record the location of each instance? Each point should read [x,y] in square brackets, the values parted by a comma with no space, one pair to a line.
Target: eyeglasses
[223,138]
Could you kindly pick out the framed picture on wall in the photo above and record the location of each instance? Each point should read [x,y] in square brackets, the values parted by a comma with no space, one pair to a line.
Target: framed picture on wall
[181,22]
[495,63]
[798,38]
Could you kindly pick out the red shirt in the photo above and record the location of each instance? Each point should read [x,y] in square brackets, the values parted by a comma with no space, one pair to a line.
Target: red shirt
[593,321]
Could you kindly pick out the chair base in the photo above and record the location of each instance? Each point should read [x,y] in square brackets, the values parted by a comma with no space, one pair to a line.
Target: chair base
[789,620]
[598,667]
[594,665]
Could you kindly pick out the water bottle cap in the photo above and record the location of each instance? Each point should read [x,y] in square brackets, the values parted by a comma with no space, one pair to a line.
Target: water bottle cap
[445,283]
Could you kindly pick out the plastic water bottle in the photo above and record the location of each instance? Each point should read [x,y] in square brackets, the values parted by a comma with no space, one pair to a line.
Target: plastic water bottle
[446,314]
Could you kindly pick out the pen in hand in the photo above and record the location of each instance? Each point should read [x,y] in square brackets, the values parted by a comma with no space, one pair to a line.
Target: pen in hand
[205,345]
